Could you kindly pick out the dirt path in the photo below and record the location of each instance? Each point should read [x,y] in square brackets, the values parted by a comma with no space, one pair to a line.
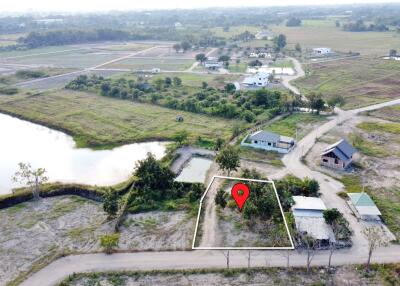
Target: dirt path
[195,64]
[286,79]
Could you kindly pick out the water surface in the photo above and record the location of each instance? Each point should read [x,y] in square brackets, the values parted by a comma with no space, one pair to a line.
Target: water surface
[23,141]
[195,171]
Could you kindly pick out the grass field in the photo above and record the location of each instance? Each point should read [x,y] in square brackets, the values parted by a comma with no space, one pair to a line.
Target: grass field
[362,81]
[233,31]
[304,122]
[147,64]
[391,113]
[316,33]
[387,200]
[102,122]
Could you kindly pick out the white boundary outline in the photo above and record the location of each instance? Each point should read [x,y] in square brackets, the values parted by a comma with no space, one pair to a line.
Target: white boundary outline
[241,248]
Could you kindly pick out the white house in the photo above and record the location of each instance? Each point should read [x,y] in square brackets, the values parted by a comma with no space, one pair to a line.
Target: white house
[264,35]
[309,219]
[155,70]
[322,51]
[269,141]
[258,80]
[212,63]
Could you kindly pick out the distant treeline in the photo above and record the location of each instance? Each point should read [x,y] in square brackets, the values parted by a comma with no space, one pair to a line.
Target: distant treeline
[64,37]
[360,26]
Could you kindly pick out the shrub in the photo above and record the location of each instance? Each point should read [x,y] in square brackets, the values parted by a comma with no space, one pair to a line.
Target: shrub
[109,242]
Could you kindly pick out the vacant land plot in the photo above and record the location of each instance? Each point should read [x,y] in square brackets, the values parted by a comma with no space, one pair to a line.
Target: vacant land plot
[99,121]
[388,113]
[323,33]
[147,64]
[377,168]
[82,58]
[302,122]
[362,81]
[345,275]
[124,47]
[33,233]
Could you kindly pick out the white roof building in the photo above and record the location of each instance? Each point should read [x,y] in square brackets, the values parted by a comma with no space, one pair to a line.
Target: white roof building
[308,216]
[364,206]
[258,80]
[322,51]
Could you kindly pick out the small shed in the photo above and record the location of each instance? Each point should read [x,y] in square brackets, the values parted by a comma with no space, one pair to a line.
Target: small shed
[364,206]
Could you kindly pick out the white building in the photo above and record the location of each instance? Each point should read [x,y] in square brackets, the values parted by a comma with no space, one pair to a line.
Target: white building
[264,35]
[258,80]
[322,51]
[309,219]
[155,70]
[212,63]
[269,141]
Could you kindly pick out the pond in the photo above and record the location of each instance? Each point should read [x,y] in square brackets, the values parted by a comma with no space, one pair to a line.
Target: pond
[23,141]
[195,171]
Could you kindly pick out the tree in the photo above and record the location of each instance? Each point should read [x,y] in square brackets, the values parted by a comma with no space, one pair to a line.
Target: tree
[220,198]
[336,100]
[177,81]
[153,175]
[255,63]
[110,202]
[177,47]
[228,159]
[280,42]
[204,85]
[201,58]
[248,116]
[168,81]
[219,143]
[392,53]
[181,137]
[225,59]
[316,102]
[311,246]
[298,48]
[227,258]
[375,239]
[109,242]
[33,178]
[293,22]
[185,46]
[230,88]
[337,23]
[331,215]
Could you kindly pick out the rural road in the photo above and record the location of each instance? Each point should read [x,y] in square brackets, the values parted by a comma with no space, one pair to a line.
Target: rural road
[288,78]
[61,268]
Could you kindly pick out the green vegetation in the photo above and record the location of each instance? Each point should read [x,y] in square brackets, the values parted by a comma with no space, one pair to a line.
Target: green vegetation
[155,188]
[109,242]
[302,121]
[361,81]
[391,113]
[166,92]
[228,159]
[339,224]
[110,202]
[368,147]
[8,90]
[259,155]
[393,128]
[103,122]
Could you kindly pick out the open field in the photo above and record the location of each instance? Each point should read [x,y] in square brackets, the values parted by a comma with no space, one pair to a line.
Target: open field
[233,31]
[388,113]
[303,122]
[99,121]
[361,81]
[323,33]
[127,47]
[147,64]
[46,72]
[72,224]
[345,275]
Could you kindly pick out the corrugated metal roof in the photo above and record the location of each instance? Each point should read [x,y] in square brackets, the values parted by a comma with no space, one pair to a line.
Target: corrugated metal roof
[364,204]
[341,149]
[308,203]
[265,136]
[315,227]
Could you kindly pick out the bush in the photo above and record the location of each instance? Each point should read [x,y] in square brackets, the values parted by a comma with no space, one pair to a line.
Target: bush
[8,90]
[109,242]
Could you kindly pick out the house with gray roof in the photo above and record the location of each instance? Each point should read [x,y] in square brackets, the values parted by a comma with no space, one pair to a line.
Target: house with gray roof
[269,141]
[363,206]
[338,156]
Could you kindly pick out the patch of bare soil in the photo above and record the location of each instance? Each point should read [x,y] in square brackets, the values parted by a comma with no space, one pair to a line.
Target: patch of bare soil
[157,231]
[32,231]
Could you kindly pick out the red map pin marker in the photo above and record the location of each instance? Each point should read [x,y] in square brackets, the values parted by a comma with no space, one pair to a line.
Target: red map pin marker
[240,193]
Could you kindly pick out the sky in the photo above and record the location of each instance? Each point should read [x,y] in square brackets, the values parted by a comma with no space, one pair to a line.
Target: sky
[105,5]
